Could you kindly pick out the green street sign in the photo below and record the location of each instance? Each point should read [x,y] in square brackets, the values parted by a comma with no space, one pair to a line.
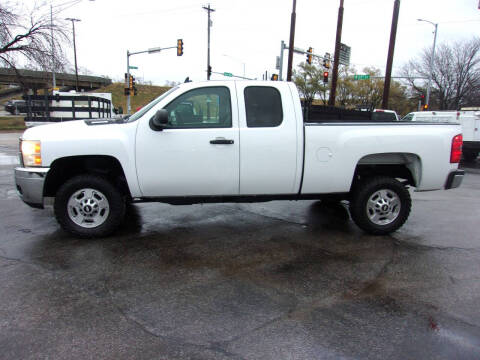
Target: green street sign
[361,77]
[227,74]
[133,67]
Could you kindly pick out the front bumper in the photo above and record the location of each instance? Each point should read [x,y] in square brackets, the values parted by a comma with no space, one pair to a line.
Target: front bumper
[454,179]
[30,182]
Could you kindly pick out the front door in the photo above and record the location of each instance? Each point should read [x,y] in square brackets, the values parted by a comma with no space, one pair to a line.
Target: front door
[198,153]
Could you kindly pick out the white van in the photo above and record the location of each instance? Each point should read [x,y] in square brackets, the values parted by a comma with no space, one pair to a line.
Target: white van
[469,119]
[432,116]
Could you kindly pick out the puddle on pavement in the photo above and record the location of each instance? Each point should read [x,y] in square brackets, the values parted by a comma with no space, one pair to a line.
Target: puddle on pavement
[8,159]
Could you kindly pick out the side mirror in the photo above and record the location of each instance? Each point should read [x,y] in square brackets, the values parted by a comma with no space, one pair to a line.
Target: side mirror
[159,121]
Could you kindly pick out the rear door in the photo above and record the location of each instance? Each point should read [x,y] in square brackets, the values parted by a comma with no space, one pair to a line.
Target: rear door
[270,149]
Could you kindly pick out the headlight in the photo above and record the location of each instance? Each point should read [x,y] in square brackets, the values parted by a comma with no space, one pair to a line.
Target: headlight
[31,153]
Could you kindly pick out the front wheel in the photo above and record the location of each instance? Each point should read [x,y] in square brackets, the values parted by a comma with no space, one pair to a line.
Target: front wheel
[380,205]
[89,206]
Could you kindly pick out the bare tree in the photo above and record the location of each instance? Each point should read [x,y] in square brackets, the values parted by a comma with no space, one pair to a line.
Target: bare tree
[455,77]
[28,40]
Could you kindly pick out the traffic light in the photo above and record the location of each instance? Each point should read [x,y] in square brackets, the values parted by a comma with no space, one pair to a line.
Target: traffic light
[274,77]
[209,71]
[130,82]
[325,77]
[179,47]
[126,88]
[422,99]
[425,107]
[326,61]
[309,55]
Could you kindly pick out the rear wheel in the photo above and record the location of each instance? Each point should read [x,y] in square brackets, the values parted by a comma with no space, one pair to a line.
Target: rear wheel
[380,205]
[89,206]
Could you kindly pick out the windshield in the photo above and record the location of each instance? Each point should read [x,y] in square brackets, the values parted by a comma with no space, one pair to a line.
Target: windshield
[143,110]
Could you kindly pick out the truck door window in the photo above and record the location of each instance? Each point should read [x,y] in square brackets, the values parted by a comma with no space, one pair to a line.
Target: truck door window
[207,107]
[263,105]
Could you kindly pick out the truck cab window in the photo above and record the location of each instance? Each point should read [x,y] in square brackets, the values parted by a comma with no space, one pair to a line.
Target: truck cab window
[208,107]
[263,105]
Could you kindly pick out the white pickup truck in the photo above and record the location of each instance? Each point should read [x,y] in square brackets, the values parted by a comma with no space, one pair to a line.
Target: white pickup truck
[232,141]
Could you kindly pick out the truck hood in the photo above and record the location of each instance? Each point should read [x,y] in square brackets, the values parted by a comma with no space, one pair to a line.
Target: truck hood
[71,129]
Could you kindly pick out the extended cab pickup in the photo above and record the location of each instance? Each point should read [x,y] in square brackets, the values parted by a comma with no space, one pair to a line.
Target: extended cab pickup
[232,141]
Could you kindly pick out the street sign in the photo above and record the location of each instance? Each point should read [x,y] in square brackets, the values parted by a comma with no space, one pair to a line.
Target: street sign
[227,74]
[344,56]
[133,67]
[361,77]
[154,50]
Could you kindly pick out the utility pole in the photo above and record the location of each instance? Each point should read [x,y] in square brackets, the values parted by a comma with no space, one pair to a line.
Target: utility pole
[209,10]
[292,41]
[54,83]
[74,50]
[336,56]
[391,50]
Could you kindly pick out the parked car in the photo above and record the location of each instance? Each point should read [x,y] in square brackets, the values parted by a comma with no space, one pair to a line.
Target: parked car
[15,107]
[246,142]
[384,115]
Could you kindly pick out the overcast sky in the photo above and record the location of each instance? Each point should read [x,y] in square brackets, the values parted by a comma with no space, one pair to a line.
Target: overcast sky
[249,32]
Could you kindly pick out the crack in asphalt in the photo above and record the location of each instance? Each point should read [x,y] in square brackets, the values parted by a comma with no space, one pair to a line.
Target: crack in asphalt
[301,310]
[177,341]
[417,246]
[22,261]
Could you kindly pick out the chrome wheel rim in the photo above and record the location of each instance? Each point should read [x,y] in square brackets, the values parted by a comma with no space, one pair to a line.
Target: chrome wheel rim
[383,207]
[88,208]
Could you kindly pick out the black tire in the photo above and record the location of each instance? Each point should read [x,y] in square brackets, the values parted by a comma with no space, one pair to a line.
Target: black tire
[395,196]
[113,209]
[470,156]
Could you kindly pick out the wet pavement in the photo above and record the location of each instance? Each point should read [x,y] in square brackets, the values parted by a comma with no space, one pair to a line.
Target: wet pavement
[279,280]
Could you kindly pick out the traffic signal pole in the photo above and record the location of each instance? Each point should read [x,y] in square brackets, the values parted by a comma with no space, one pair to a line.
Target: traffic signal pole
[129,109]
[280,65]
[150,51]
[209,70]
[336,57]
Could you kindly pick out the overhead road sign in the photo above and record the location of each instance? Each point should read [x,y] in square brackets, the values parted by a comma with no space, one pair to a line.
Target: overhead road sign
[344,56]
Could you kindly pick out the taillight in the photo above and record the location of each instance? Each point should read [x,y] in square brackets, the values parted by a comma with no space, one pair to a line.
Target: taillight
[456,153]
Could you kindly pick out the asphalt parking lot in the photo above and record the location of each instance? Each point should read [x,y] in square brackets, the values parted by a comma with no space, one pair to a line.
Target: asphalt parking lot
[279,280]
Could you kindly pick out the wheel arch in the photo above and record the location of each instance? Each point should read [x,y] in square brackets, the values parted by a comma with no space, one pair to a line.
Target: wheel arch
[405,166]
[65,168]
